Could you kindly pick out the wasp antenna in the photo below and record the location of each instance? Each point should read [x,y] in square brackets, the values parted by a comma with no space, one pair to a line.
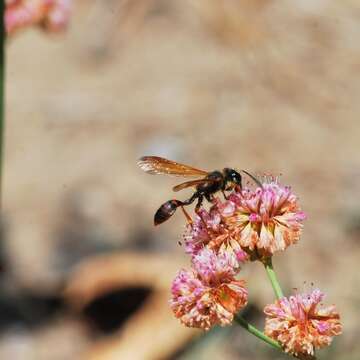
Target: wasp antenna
[257,181]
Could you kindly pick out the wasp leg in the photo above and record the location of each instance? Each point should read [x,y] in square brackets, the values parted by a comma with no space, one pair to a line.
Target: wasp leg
[225,196]
[192,199]
[187,216]
[209,197]
[199,203]
[197,208]
[188,202]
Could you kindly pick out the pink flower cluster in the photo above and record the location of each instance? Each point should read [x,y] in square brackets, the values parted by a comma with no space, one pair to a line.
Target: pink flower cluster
[209,231]
[256,222]
[52,15]
[251,224]
[299,325]
[209,294]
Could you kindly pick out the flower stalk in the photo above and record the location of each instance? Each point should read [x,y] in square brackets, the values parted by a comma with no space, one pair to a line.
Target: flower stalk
[273,278]
[2,90]
[254,331]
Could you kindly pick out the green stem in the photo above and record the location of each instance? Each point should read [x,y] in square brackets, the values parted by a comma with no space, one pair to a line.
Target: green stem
[2,90]
[273,279]
[259,334]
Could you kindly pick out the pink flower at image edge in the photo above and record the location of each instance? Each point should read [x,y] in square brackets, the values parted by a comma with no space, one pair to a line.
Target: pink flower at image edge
[51,15]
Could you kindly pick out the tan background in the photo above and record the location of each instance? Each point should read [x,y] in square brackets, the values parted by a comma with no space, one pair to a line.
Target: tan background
[265,85]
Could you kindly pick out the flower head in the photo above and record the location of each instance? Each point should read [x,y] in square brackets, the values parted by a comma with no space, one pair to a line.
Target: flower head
[52,15]
[258,221]
[300,325]
[209,294]
[57,17]
[208,230]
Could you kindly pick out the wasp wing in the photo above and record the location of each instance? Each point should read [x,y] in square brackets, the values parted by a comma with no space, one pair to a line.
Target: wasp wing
[158,165]
[190,183]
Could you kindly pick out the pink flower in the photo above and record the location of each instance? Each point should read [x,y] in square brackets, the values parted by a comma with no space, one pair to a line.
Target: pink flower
[256,222]
[209,294]
[299,325]
[57,17]
[208,230]
[52,15]
[267,219]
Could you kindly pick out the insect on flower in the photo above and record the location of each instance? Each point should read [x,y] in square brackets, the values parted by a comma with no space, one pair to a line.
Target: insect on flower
[210,183]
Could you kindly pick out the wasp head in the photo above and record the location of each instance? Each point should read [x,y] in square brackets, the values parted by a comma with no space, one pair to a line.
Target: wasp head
[232,176]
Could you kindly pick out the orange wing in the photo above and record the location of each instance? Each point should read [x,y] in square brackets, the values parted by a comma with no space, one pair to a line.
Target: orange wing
[157,165]
[190,183]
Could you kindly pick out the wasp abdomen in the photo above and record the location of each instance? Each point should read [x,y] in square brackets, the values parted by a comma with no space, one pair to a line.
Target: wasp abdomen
[166,210]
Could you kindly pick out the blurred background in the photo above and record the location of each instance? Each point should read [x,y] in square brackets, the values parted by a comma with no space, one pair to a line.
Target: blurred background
[265,85]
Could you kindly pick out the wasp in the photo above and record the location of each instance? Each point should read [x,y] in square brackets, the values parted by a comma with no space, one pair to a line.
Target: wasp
[205,187]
